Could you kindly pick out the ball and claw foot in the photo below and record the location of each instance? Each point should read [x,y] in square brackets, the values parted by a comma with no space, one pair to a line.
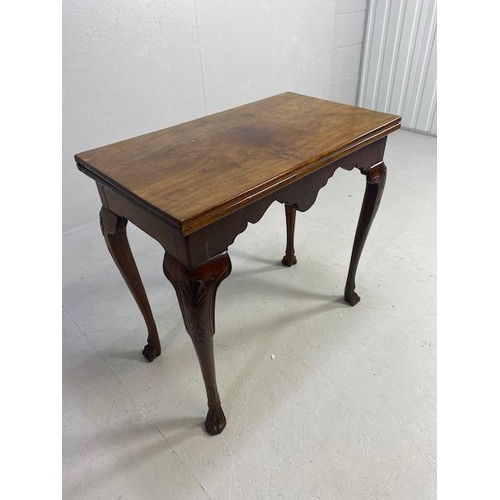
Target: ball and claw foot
[286,262]
[215,421]
[151,352]
[352,297]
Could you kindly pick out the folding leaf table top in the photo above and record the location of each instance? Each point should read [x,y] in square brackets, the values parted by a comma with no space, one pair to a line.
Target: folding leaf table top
[200,171]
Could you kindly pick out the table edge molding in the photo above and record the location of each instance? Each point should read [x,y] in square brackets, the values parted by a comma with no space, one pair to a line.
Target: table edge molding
[198,221]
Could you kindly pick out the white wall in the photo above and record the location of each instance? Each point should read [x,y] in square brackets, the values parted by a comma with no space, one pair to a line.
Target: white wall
[132,67]
[348,32]
[399,73]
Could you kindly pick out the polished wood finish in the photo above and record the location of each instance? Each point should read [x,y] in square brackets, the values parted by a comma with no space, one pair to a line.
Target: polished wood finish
[200,171]
[289,259]
[114,230]
[196,186]
[196,289]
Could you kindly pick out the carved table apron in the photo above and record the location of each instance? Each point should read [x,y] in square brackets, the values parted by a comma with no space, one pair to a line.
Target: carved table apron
[196,258]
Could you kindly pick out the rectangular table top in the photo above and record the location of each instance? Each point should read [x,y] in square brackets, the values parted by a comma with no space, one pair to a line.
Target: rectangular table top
[200,171]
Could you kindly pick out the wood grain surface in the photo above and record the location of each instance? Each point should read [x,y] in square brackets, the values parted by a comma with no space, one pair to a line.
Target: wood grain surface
[200,171]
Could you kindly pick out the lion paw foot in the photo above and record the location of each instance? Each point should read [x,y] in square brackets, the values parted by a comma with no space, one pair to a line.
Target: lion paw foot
[352,297]
[215,421]
[151,352]
[286,262]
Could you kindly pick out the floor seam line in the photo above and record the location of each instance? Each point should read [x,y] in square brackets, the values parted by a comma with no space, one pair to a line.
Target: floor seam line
[367,243]
[78,326]
[81,226]
[175,453]
[151,423]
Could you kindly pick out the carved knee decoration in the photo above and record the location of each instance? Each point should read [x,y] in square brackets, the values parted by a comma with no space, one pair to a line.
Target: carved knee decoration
[196,289]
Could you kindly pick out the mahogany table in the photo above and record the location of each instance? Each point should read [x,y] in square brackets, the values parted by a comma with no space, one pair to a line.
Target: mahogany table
[194,187]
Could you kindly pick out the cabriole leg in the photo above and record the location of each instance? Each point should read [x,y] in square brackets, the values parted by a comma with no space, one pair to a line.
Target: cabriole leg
[289,259]
[375,181]
[114,230]
[196,289]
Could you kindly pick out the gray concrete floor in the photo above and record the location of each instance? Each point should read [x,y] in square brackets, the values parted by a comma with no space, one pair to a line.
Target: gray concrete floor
[345,410]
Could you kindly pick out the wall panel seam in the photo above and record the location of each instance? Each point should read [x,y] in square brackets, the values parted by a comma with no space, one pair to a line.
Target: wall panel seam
[349,12]
[366,53]
[381,54]
[409,58]
[395,55]
[423,75]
